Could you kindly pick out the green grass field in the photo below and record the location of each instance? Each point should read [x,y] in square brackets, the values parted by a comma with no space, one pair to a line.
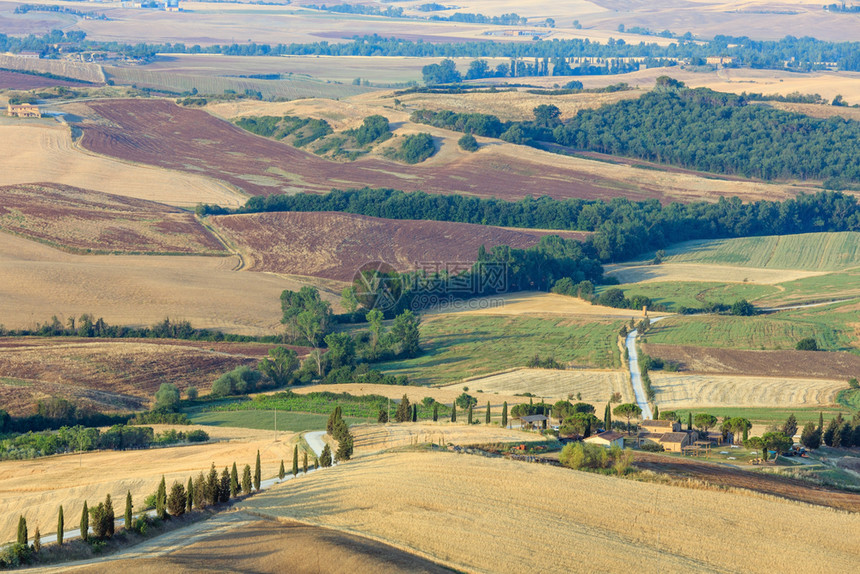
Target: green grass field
[457,346]
[265,420]
[693,294]
[833,286]
[832,327]
[809,251]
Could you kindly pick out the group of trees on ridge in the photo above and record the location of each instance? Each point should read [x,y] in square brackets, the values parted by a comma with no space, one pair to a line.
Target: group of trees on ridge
[692,128]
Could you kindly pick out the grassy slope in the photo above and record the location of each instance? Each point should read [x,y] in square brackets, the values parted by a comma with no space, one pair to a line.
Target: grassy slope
[458,346]
[810,251]
[764,415]
[831,326]
[265,420]
[692,294]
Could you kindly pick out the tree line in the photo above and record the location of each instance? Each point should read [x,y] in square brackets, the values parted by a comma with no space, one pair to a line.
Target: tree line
[800,54]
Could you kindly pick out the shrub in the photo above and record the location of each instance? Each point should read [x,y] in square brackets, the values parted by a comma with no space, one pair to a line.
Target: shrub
[468,142]
[197,436]
[464,401]
[416,148]
[807,344]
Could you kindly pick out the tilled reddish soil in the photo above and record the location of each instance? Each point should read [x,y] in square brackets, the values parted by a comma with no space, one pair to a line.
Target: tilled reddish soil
[18,81]
[801,364]
[337,245]
[84,220]
[158,132]
[721,475]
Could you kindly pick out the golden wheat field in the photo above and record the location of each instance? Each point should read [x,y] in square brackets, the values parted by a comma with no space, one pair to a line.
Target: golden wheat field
[36,488]
[696,272]
[539,303]
[37,281]
[42,151]
[496,515]
[374,438]
[552,385]
[679,391]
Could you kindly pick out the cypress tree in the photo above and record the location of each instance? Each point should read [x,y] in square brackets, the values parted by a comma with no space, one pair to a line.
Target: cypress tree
[656,412]
[607,417]
[128,508]
[85,523]
[316,462]
[820,422]
[454,412]
[246,480]
[22,530]
[37,541]
[505,414]
[435,412]
[689,421]
[189,495]
[161,499]
[305,463]
[281,471]
[200,491]
[746,433]
[487,417]
[213,486]
[224,489]
[295,460]
[60,526]
[415,413]
[469,415]
[234,481]
[110,517]
[258,473]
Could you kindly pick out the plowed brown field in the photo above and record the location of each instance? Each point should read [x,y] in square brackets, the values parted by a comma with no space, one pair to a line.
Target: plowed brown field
[801,364]
[112,375]
[159,133]
[18,81]
[91,221]
[336,245]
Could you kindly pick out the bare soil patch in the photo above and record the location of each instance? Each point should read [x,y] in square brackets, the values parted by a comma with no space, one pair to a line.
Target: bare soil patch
[18,81]
[704,272]
[90,221]
[763,482]
[806,364]
[481,514]
[159,133]
[106,375]
[337,245]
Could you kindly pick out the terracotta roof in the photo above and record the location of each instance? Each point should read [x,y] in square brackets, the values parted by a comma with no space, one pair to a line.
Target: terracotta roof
[673,437]
[608,435]
[666,424]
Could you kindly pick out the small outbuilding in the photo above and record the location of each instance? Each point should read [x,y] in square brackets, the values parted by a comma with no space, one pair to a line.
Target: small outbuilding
[533,421]
[607,439]
[659,427]
[676,441]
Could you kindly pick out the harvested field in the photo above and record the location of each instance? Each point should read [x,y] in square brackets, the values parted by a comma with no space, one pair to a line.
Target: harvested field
[18,81]
[727,476]
[78,70]
[37,281]
[627,273]
[89,221]
[798,364]
[337,245]
[405,500]
[373,438]
[42,150]
[106,375]
[679,391]
[538,303]
[552,385]
[66,480]
[249,544]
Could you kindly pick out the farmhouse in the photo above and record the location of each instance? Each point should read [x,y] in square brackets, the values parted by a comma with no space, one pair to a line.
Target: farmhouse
[676,441]
[23,111]
[719,60]
[607,439]
[660,427]
[531,420]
